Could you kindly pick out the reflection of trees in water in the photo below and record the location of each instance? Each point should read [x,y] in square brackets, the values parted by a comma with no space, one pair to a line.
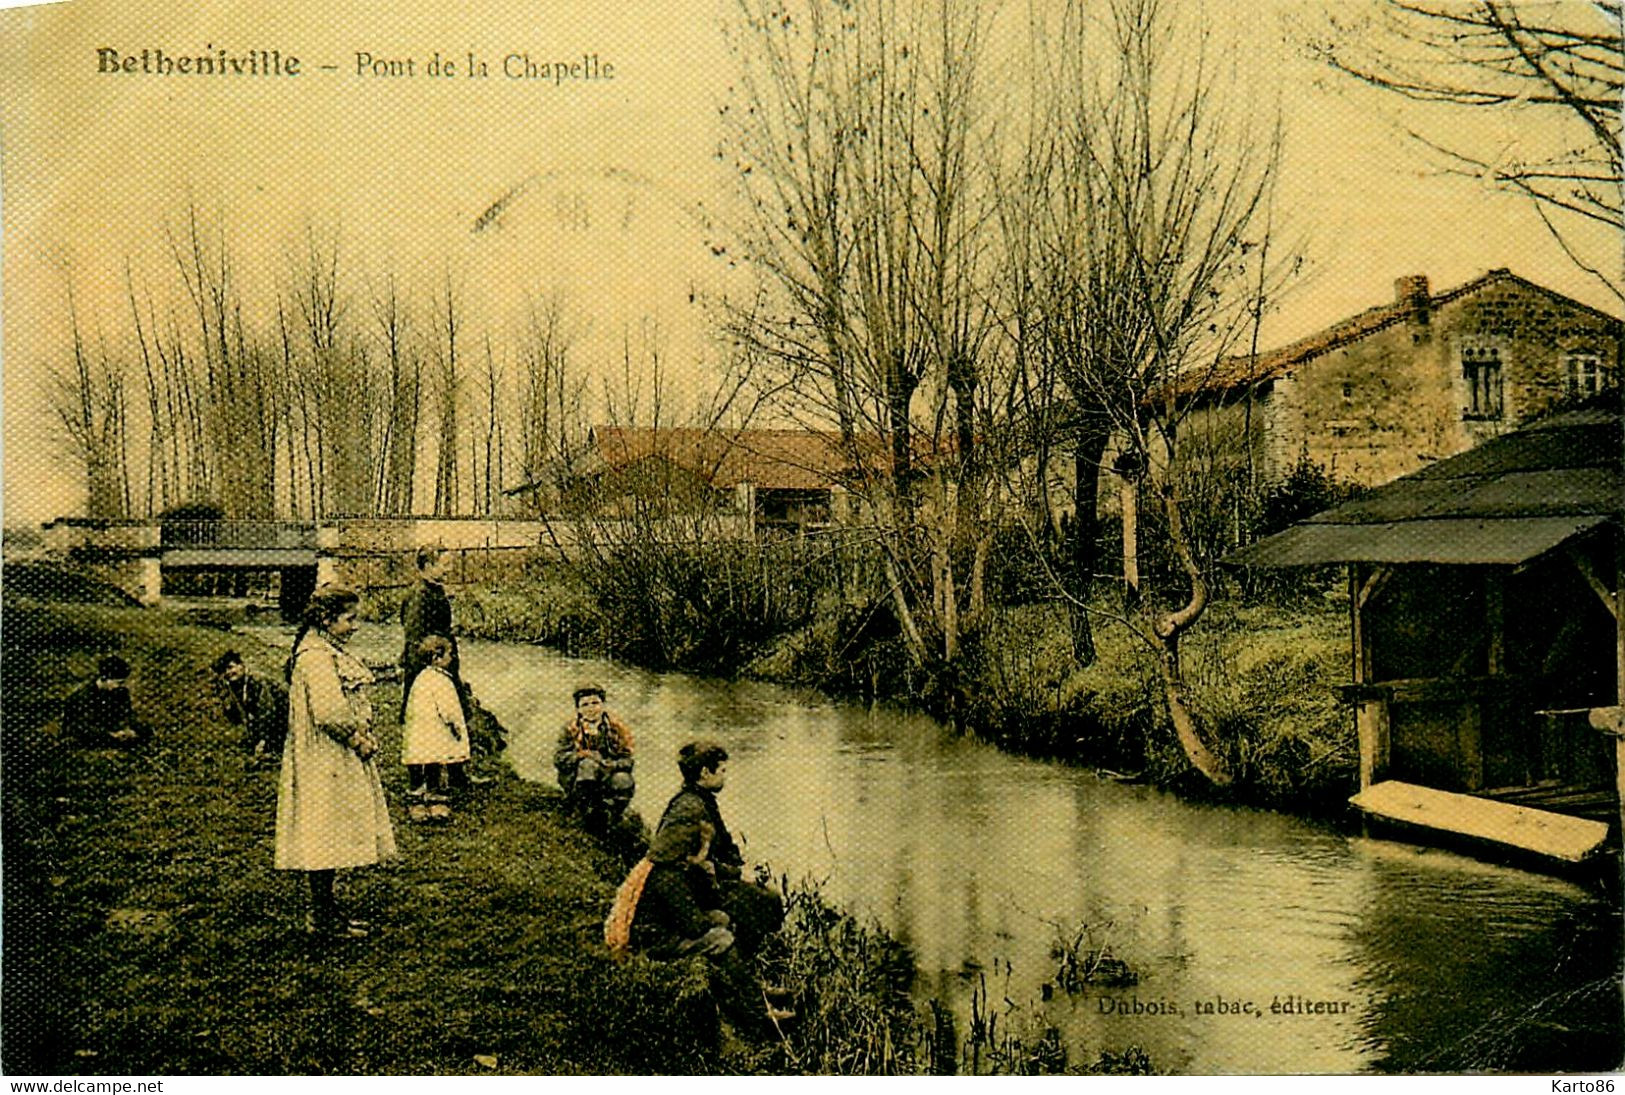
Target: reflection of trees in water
[1506,978]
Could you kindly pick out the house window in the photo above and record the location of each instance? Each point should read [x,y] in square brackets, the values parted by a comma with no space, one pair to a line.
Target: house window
[1481,369]
[1582,374]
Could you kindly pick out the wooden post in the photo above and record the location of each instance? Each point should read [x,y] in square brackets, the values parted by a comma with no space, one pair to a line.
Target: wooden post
[1364,726]
[152,580]
[1470,744]
[1495,621]
[1370,711]
[1489,719]
[1129,503]
[1614,599]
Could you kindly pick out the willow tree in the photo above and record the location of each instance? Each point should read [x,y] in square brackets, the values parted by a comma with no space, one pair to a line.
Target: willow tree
[1159,206]
[859,134]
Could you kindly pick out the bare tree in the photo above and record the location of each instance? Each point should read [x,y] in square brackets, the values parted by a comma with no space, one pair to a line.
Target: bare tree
[448,325]
[1159,198]
[403,390]
[859,136]
[336,367]
[1558,69]
[188,437]
[550,393]
[488,483]
[297,390]
[87,397]
[234,390]
[159,478]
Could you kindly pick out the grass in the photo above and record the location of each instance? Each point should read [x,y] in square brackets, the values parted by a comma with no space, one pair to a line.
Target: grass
[1261,681]
[146,932]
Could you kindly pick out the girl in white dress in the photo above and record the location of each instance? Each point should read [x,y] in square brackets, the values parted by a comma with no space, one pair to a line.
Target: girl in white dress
[435,734]
[330,809]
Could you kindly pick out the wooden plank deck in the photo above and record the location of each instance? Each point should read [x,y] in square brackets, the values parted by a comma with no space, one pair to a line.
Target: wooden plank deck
[1599,802]
[1539,832]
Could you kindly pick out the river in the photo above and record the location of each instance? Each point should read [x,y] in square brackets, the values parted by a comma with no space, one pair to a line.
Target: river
[1317,950]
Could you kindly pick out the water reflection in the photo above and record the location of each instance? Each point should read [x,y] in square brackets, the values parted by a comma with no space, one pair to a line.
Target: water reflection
[1376,955]
[1474,966]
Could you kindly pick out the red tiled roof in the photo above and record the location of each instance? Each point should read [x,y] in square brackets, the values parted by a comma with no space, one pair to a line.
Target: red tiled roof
[1244,371]
[770,459]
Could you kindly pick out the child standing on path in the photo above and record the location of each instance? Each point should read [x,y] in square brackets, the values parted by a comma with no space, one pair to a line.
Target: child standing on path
[436,733]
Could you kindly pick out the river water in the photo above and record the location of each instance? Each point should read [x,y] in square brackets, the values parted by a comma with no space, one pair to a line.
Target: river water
[1318,951]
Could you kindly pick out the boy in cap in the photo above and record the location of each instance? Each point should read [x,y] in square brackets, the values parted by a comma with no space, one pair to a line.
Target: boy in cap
[255,704]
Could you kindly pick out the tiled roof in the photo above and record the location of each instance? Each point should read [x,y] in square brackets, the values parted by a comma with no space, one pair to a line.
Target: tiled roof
[1245,370]
[769,459]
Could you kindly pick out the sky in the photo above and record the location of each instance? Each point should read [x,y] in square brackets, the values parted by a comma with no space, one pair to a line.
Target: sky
[618,186]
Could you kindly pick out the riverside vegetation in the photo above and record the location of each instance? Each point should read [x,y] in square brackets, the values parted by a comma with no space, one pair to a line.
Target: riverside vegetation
[1262,669]
[1259,673]
[147,933]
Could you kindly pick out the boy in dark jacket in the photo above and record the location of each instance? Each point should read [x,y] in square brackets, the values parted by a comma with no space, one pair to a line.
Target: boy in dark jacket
[99,712]
[677,916]
[678,913]
[253,703]
[753,911]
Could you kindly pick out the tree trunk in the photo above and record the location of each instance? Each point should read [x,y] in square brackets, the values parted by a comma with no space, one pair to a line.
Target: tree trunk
[1085,546]
[1168,628]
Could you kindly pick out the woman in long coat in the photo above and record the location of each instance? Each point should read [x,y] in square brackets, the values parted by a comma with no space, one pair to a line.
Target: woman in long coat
[330,811]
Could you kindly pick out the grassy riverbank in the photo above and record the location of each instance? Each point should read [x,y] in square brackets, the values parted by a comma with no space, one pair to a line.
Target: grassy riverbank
[147,933]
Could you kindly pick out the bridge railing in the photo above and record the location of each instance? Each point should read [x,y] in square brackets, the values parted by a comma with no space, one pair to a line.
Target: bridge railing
[238,534]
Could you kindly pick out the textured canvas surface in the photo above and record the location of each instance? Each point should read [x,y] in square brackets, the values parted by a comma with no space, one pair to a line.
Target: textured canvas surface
[1058,454]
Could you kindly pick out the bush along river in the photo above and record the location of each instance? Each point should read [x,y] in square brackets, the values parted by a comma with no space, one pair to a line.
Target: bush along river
[1219,939]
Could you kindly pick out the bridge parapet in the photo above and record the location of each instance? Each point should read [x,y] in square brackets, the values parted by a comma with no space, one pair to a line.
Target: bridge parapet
[239,534]
[67,536]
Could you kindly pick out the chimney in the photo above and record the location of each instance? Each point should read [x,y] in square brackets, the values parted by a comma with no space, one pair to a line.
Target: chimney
[1411,292]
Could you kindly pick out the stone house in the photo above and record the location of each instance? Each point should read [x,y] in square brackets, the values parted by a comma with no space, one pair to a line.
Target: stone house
[1410,382]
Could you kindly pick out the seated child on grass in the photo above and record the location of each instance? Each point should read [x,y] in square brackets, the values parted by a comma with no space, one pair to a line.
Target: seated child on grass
[99,712]
[257,705]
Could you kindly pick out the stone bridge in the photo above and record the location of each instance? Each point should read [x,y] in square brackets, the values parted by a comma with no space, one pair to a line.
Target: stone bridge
[365,552]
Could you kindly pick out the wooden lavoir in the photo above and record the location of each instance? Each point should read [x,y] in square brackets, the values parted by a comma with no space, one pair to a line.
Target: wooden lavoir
[1487,619]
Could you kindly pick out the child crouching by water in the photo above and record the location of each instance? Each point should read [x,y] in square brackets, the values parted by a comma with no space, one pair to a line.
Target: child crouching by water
[668,907]
[435,734]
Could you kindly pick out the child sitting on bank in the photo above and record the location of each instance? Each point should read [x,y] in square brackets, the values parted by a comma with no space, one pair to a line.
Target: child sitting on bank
[257,705]
[434,735]
[99,712]
[667,908]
